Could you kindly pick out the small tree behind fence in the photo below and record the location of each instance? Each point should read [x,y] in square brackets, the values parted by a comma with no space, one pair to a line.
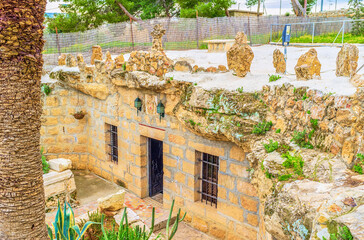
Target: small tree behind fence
[181,34]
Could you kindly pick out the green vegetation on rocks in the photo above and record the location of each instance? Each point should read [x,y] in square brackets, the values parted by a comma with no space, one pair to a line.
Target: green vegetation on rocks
[262,127]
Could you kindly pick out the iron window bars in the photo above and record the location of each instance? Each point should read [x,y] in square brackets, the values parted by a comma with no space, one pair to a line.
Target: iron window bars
[112,142]
[209,179]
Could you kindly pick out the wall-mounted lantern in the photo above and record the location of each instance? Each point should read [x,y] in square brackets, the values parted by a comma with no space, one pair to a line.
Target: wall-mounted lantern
[160,110]
[138,104]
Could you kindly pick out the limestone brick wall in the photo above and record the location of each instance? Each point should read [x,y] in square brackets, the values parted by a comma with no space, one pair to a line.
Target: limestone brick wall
[62,136]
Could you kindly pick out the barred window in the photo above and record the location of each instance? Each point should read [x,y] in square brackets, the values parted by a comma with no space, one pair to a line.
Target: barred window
[112,142]
[209,178]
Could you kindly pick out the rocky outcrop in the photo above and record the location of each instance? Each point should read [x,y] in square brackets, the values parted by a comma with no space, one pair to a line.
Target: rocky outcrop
[308,66]
[347,60]
[279,62]
[96,54]
[240,56]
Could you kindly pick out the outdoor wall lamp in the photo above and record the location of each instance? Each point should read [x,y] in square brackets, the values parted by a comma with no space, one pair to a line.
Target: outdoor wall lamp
[160,110]
[138,104]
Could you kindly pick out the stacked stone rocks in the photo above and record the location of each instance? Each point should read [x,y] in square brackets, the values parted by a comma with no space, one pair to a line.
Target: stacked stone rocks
[154,62]
[240,56]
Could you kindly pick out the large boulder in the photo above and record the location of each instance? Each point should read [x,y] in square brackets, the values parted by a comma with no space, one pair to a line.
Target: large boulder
[182,66]
[278,61]
[347,60]
[112,203]
[240,56]
[96,54]
[308,66]
[60,164]
[119,61]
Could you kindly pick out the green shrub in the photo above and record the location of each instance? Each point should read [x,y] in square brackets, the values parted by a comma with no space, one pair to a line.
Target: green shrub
[273,78]
[45,164]
[284,177]
[300,139]
[304,97]
[293,161]
[287,14]
[271,146]
[278,130]
[262,127]
[314,123]
[359,166]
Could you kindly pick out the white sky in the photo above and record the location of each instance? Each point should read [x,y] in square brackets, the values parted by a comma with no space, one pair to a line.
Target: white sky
[272,6]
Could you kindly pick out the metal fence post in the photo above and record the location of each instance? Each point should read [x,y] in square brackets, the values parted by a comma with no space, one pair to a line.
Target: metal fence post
[342,36]
[131,32]
[313,31]
[198,44]
[271,32]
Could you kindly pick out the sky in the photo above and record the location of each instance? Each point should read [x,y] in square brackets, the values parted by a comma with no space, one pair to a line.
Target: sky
[272,6]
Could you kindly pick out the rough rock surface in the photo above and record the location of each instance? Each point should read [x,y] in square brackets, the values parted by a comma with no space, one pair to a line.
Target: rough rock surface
[182,66]
[109,63]
[357,80]
[308,66]
[278,61]
[62,59]
[157,35]
[112,203]
[347,60]
[240,56]
[96,54]
[154,62]
[60,164]
[119,61]
[70,61]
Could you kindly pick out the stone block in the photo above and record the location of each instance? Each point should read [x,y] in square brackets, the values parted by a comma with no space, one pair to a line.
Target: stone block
[308,66]
[279,62]
[58,182]
[113,202]
[60,164]
[240,56]
[347,60]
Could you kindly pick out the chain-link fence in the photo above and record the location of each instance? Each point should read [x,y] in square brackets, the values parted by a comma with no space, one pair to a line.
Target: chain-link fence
[338,31]
[181,33]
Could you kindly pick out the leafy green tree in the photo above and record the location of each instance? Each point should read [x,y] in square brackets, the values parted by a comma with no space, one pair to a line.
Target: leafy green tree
[298,6]
[356,11]
[205,8]
[81,15]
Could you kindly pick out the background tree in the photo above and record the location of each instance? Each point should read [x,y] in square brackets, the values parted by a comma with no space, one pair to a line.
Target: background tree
[250,3]
[22,203]
[299,5]
[356,11]
[81,15]
[205,8]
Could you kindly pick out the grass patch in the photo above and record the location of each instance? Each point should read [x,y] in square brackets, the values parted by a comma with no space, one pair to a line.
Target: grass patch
[358,168]
[273,78]
[325,38]
[294,162]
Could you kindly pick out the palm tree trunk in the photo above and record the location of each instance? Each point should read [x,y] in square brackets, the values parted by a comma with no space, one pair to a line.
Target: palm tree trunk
[22,203]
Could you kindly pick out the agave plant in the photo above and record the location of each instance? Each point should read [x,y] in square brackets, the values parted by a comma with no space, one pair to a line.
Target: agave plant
[64,225]
[126,232]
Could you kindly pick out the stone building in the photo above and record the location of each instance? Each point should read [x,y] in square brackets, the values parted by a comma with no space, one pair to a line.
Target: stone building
[157,135]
